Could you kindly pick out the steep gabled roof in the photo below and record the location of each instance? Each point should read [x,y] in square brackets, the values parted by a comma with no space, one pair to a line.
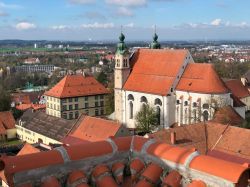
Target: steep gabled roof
[7,121]
[154,70]
[237,88]
[227,115]
[76,86]
[201,78]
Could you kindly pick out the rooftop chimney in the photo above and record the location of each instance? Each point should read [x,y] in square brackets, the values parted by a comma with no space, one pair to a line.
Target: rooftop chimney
[173,138]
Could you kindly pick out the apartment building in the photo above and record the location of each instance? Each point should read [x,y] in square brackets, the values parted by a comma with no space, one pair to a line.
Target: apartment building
[76,94]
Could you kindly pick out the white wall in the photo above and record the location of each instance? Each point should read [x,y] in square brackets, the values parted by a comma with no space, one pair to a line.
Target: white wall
[200,99]
[130,123]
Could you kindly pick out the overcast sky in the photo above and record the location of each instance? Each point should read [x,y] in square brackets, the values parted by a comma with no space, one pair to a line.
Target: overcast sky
[102,19]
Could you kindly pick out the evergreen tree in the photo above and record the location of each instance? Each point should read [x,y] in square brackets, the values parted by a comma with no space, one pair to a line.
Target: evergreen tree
[146,120]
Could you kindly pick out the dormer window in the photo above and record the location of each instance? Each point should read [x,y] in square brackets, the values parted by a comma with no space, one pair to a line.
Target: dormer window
[186,103]
[177,102]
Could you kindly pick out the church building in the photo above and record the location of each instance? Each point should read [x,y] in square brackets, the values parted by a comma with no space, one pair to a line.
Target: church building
[180,90]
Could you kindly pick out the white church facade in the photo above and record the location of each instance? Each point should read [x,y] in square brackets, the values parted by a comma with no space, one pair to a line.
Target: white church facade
[180,90]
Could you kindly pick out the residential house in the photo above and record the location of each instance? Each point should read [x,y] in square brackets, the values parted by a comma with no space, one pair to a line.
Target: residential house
[76,94]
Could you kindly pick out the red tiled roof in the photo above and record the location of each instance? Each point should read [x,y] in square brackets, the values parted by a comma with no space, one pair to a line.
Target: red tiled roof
[217,167]
[237,88]
[173,179]
[23,107]
[7,121]
[95,129]
[205,137]
[73,155]
[201,78]
[227,115]
[155,68]
[28,149]
[20,98]
[75,86]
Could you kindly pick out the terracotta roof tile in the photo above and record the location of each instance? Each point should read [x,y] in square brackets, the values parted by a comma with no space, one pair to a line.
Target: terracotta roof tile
[106,181]
[208,81]
[227,115]
[35,160]
[237,88]
[143,183]
[136,166]
[118,171]
[217,167]
[172,153]
[7,121]
[28,149]
[123,143]
[75,152]
[51,181]
[152,173]
[23,107]
[99,170]
[75,86]
[77,177]
[173,179]
[197,183]
[138,143]
[95,129]
[154,68]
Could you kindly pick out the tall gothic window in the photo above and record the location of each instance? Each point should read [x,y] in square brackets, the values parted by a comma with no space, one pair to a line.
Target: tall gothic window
[158,113]
[131,110]
[205,115]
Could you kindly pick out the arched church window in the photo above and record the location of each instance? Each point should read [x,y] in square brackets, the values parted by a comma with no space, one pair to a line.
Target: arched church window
[186,103]
[144,99]
[205,115]
[194,115]
[158,115]
[194,104]
[205,106]
[158,102]
[130,97]
[131,110]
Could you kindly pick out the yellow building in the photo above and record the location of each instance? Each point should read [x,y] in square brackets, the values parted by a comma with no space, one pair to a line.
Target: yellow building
[38,127]
[74,95]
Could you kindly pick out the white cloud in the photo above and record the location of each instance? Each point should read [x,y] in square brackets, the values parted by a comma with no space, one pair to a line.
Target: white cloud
[60,27]
[123,11]
[97,25]
[81,2]
[127,2]
[25,26]
[10,6]
[216,22]
[129,25]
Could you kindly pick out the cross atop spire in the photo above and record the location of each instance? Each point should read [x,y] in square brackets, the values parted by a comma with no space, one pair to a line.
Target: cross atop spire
[155,44]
